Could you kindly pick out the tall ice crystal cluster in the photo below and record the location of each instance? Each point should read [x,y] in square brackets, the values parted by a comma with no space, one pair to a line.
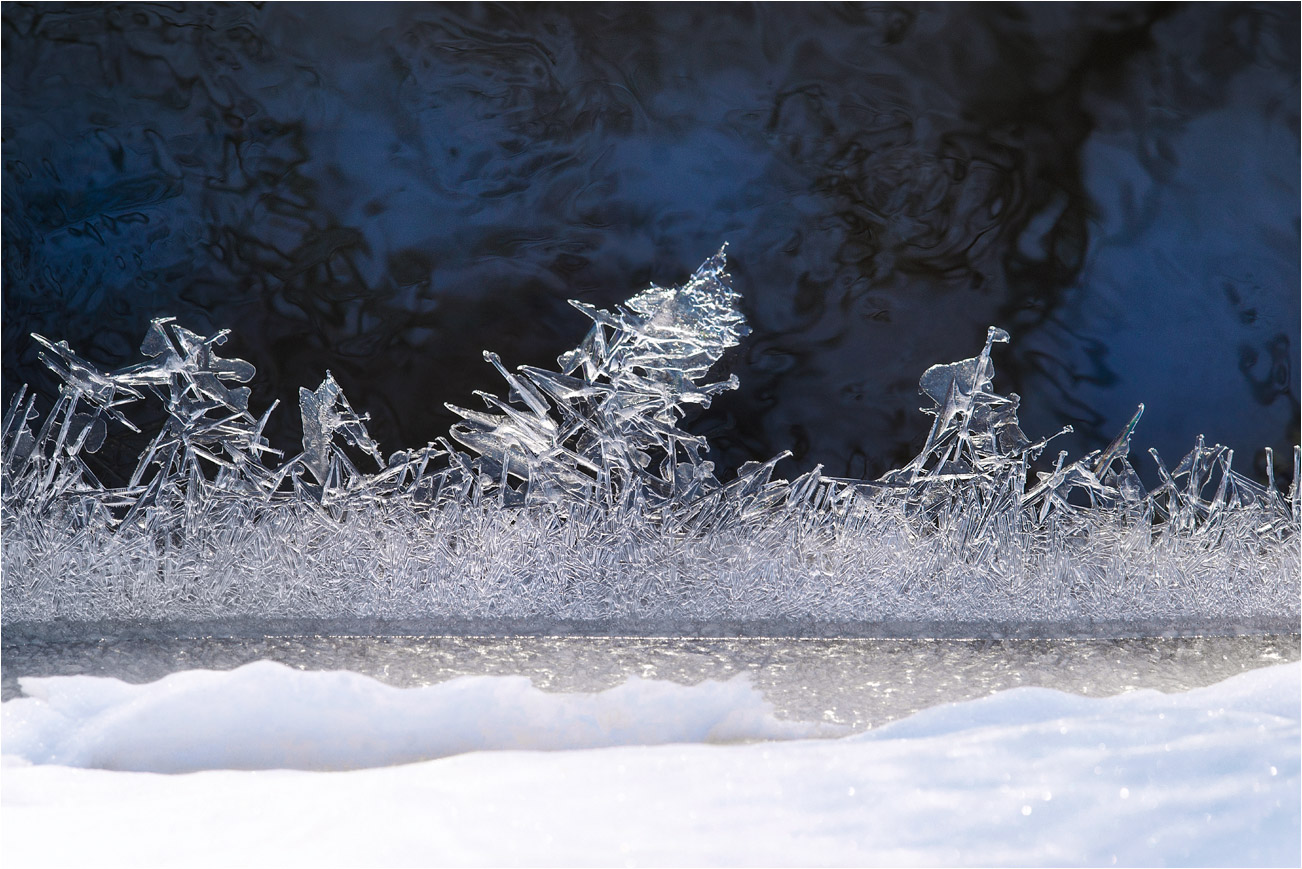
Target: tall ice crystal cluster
[577,504]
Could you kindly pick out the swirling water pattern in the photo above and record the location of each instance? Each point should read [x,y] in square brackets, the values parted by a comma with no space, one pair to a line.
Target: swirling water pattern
[386,190]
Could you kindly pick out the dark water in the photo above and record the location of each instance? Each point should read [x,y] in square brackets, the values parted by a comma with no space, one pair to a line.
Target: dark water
[863,683]
[386,190]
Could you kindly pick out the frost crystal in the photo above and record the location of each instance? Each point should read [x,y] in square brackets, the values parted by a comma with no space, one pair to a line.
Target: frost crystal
[579,504]
[605,428]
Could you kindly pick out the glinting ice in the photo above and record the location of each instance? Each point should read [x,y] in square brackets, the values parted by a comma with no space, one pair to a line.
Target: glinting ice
[578,503]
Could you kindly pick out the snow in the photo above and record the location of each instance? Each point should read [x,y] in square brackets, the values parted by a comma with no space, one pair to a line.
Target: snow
[266,715]
[649,773]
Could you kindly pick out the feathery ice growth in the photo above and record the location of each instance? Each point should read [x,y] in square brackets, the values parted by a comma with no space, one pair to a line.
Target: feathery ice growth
[577,503]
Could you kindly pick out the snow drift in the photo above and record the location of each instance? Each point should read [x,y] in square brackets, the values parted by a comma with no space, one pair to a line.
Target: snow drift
[268,716]
[1025,777]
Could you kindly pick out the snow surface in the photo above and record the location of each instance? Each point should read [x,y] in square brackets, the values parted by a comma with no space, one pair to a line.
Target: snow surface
[1025,776]
[266,715]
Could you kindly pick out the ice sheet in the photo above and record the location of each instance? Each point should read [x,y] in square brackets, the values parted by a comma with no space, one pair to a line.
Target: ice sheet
[858,682]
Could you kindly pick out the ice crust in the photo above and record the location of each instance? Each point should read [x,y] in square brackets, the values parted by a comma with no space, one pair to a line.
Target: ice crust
[578,503]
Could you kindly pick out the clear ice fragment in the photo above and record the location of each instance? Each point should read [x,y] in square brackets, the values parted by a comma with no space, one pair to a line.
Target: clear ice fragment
[578,499]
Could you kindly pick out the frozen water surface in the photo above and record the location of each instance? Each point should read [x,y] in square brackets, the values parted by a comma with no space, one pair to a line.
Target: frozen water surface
[859,683]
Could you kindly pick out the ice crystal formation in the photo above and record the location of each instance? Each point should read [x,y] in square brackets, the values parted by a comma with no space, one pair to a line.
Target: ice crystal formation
[578,503]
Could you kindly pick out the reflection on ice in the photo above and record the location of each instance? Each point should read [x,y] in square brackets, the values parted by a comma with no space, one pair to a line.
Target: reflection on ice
[579,503]
[856,682]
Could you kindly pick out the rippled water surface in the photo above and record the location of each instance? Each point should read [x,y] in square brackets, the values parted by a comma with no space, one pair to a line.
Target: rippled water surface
[387,190]
[863,683]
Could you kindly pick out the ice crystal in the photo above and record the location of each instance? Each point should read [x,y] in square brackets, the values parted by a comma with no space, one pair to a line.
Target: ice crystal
[605,428]
[578,503]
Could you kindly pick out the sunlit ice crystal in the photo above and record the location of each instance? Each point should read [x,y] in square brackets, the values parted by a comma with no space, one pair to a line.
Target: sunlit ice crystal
[575,501]
[606,425]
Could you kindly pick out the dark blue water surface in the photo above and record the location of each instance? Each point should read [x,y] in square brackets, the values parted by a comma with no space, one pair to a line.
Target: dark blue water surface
[386,190]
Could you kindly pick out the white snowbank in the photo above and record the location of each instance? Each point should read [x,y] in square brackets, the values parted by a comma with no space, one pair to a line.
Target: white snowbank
[1028,776]
[269,716]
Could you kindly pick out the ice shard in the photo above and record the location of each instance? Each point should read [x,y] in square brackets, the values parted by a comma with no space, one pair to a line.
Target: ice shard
[576,500]
[606,426]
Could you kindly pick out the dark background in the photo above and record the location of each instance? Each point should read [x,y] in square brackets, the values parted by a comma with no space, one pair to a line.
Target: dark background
[387,190]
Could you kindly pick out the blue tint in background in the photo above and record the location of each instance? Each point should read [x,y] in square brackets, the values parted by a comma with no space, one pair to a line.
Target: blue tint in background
[387,190]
